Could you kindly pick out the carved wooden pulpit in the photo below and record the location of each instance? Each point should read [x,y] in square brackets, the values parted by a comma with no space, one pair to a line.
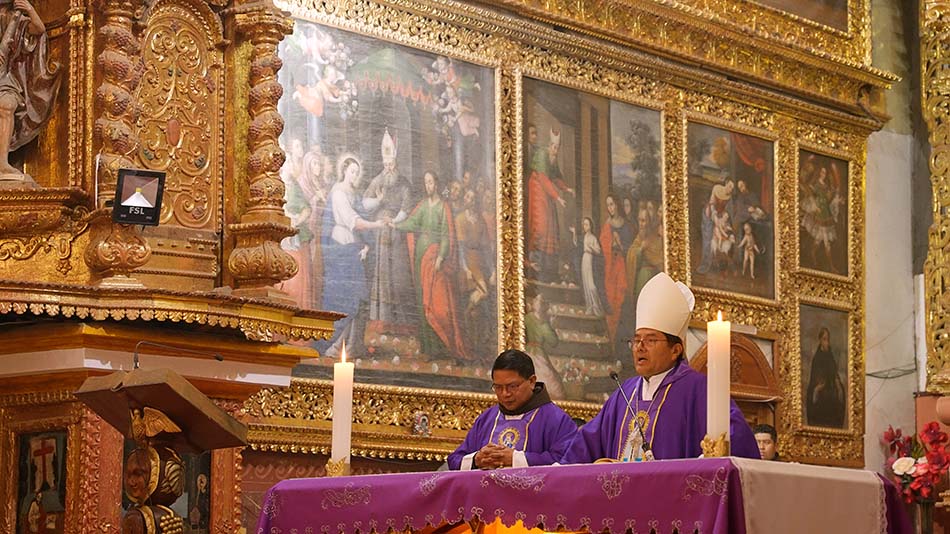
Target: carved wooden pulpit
[166,416]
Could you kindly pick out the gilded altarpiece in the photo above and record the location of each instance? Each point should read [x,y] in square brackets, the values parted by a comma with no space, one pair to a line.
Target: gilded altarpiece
[296,420]
[143,84]
[180,96]
[934,31]
[768,72]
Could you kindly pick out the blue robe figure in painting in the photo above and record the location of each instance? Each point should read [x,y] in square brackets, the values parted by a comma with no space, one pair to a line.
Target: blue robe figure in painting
[345,249]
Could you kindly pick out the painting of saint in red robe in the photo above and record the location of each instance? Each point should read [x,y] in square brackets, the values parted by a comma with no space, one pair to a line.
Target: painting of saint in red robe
[592,175]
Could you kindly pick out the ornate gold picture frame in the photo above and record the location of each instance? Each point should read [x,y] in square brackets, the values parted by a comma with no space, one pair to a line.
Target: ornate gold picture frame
[41,454]
[824,192]
[731,209]
[398,233]
[518,49]
[593,228]
[823,13]
[824,341]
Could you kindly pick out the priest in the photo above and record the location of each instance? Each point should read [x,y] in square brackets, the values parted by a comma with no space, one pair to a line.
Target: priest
[524,428]
[662,412]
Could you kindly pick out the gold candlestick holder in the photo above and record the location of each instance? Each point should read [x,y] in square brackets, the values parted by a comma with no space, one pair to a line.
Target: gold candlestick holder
[715,448]
[338,468]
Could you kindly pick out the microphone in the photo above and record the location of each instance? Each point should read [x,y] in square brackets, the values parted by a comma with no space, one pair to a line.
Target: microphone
[636,420]
[135,353]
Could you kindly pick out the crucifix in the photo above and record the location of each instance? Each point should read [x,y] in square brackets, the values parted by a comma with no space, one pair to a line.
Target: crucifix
[43,450]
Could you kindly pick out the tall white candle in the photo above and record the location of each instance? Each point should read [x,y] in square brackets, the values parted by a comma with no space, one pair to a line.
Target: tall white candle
[717,374]
[342,408]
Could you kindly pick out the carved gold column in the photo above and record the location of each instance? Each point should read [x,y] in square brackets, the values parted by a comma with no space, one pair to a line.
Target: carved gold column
[935,85]
[119,64]
[115,250]
[257,262]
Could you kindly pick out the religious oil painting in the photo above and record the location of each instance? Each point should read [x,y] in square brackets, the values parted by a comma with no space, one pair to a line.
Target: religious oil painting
[832,13]
[824,345]
[41,495]
[823,213]
[593,229]
[731,211]
[390,182]
[195,503]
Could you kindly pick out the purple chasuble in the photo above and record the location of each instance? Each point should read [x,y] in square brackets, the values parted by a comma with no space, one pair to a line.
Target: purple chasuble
[542,433]
[512,433]
[676,426]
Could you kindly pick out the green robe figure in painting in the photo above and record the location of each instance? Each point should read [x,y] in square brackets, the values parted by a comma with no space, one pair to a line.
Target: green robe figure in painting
[431,244]
[541,338]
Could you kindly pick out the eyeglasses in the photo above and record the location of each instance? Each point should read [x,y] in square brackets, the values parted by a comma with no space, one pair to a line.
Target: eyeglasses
[499,388]
[647,342]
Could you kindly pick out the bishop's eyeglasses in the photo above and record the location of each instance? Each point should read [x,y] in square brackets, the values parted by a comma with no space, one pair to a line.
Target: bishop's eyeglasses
[647,342]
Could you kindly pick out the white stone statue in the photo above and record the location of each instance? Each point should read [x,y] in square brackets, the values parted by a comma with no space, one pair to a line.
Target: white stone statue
[28,84]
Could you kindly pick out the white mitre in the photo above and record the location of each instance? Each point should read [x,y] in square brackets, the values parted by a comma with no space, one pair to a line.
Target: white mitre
[665,305]
[388,147]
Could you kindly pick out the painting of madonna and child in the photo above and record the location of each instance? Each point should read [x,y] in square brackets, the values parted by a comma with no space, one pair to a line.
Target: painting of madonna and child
[593,229]
[731,216]
[390,183]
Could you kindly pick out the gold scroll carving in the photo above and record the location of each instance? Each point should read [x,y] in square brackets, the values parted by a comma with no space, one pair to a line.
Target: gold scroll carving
[179,128]
[297,419]
[935,34]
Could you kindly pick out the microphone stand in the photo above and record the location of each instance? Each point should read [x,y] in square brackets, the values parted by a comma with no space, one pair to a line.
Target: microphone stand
[647,453]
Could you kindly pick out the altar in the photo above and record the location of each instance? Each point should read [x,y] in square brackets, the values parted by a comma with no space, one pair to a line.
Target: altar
[714,495]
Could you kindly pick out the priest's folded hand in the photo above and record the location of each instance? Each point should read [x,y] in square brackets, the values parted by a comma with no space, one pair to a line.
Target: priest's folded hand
[493,456]
[503,456]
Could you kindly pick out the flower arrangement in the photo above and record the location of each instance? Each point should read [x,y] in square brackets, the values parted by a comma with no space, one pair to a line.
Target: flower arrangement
[917,465]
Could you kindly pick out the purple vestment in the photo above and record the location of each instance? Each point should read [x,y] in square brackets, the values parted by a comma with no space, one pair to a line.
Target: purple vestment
[677,421]
[542,433]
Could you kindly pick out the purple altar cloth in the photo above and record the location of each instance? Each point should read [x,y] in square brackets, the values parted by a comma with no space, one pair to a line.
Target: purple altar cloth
[661,495]
[696,495]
